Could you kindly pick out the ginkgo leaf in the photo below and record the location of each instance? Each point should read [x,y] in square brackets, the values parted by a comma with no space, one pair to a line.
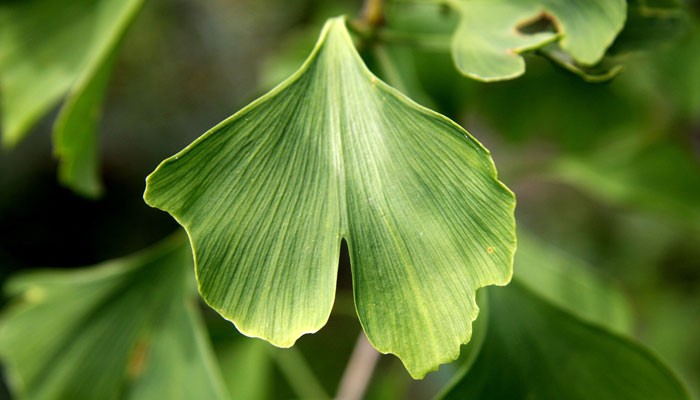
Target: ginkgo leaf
[75,133]
[49,48]
[333,153]
[601,72]
[488,42]
[534,350]
[125,329]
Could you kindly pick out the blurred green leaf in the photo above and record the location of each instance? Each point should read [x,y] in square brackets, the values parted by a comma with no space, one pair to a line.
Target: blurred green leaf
[534,350]
[49,48]
[334,153]
[569,283]
[650,23]
[657,176]
[125,329]
[282,63]
[299,376]
[180,363]
[75,133]
[671,328]
[678,78]
[246,366]
[491,35]
[562,112]
[398,69]
[601,72]
[431,17]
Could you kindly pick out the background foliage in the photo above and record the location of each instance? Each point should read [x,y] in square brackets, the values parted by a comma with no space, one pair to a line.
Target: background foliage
[607,175]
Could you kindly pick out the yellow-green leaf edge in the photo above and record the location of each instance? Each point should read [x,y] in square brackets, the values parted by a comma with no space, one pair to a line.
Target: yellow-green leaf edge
[450,351]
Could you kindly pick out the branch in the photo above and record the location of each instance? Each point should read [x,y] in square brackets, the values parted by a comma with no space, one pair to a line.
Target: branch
[358,373]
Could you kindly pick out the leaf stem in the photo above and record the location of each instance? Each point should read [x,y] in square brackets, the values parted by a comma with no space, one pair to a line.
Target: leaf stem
[299,376]
[431,41]
[391,72]
[373,13]
[371,27]
[358,373]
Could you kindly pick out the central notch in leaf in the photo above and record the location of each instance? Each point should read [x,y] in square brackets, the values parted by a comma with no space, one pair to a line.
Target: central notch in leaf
[543,22]
[333,153]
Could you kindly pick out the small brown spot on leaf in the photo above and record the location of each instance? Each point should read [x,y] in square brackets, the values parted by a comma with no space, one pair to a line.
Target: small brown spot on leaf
[137,360]
[489,249]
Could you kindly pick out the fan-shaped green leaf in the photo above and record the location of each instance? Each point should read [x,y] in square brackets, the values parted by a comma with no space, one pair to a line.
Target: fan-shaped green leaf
[334,153]
[534,350]
[125,329]
[488,42]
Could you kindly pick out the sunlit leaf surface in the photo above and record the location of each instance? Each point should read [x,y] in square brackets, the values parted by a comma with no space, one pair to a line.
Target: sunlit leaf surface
[334,153]
[491,35]
[125,329]
[534,350]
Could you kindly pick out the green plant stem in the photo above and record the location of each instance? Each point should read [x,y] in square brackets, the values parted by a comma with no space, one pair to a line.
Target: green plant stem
[431,2]
[371,29]
[391,72]
[358,373]
[373,12]
[433,42]
[299,376]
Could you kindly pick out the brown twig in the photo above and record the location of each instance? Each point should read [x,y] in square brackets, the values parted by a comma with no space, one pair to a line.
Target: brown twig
[358,373]
[373,13]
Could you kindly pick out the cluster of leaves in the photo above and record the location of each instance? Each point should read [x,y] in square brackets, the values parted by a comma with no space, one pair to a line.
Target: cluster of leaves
[333,153]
